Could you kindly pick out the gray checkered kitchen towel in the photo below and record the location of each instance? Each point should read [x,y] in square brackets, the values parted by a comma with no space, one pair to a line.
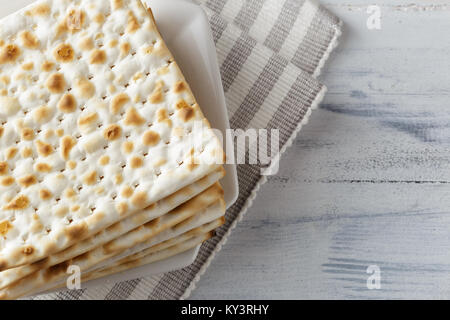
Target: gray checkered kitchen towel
[270,53]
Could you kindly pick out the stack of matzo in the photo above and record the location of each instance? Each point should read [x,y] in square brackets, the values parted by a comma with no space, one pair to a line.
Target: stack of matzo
[100,162]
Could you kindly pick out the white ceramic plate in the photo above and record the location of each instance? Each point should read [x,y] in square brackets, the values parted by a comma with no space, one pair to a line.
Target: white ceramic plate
[185,28]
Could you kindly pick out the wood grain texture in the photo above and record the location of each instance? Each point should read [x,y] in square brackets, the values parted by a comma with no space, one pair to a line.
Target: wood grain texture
[368,179]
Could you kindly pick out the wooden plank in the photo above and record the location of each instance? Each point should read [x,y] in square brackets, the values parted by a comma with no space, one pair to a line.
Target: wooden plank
[367,181]
[323,249]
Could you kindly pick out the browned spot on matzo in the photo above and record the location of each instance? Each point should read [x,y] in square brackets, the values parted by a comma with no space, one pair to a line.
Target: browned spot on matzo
[136,77]
[160,162]
[75,19]
[36,226]
[88,119]
[85,88]
[128,146]
[59,132]
[60,268]
[20,202]
[5,226]
[113,43]
[42,114]
[19,76]
[27,181]
[192,164]
[133,23]
[73,22]
[136,162]
[11,153]
[45,194]
[112,132]
[61,212]
[181,105]
[162,116]
[94,144]
[179,86]
[117,4]
[124,49]
[47,66]
[64,53]
[27,152]
[29,40]
[28,66]
[49,133]
[99,18]
[27,134]
[127,192]
[157,95]
[7,181]
[133,118]
[71,164]
[150,138]
[67,143]
[67,103]
[104,160]
[77,231]
[98,57]
[9,53]
[3,168]
[40,10]
[44,149]
[90,178]
[69,193]
[162,71]
[109,247]
[86,44]
[139,200]
[43,167]
[118,102]
[122,208]
[186,114]
[5,79]
[56,83]
[96,217]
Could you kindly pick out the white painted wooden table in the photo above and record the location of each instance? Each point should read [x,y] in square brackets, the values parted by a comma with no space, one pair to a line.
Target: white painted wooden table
[367,182]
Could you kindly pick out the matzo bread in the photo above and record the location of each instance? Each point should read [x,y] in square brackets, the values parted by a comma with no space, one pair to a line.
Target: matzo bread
[193,222]
[213,197]
[150,258]
[159,252]
[92,104]
[184,237]
[9,276]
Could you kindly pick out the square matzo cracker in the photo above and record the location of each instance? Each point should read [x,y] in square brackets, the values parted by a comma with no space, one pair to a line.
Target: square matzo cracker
[96,123]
